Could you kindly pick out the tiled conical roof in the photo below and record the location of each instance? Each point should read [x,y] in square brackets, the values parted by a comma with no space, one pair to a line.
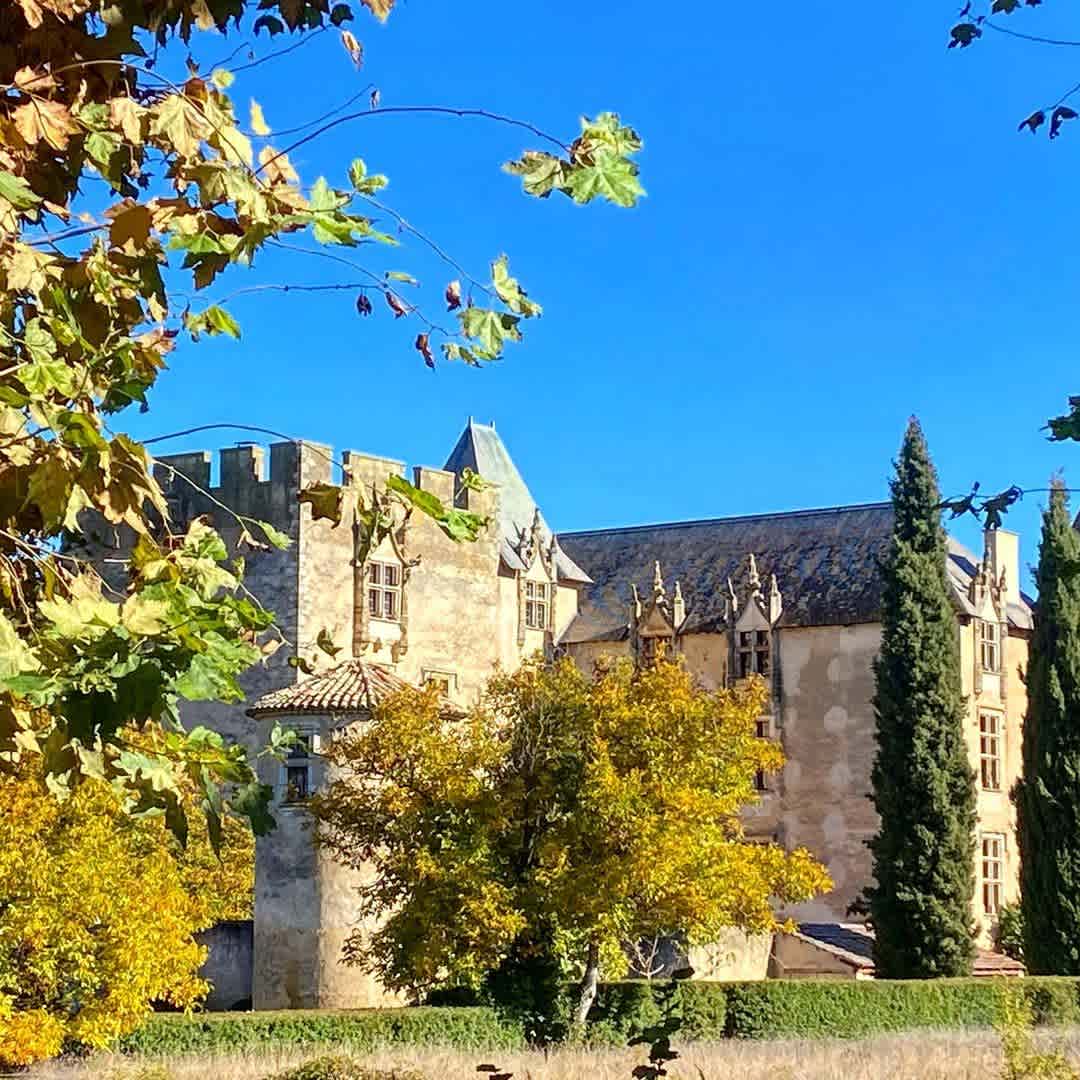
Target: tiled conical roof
[355,686]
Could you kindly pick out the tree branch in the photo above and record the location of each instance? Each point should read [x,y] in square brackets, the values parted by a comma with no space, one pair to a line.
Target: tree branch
[438,110]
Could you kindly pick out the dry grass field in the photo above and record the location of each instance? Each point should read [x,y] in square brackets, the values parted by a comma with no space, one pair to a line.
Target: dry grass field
[914,1056]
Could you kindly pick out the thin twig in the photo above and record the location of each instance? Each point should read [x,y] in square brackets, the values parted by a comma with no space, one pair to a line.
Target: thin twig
[281,52]
[1029,37]
[438,110]
[409,227]
[326,116]
[345,285]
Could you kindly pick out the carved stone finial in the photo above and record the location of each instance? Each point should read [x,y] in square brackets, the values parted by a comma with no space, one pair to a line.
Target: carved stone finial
[657,582]
[678,592]
[678,607]
[752,576]
[635,602]
[732,599]
[775,603]
[1003,582]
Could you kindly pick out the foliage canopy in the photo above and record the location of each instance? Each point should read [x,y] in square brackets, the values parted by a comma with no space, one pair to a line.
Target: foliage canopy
[598,811]
[98,912]
[89,311]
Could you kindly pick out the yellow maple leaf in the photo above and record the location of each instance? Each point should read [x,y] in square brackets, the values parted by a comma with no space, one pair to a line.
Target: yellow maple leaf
[48,120]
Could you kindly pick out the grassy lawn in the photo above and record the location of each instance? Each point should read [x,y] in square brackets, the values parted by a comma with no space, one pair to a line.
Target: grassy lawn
[914,1056]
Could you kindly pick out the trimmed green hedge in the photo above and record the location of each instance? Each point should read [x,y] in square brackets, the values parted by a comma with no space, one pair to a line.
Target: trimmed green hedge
[775,1008]
[364,1030]
[846,1009]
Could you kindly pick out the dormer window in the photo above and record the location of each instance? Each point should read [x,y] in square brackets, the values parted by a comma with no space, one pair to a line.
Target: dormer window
[536,605]
[384,590]
[989,646]
[753,655]
[649,648]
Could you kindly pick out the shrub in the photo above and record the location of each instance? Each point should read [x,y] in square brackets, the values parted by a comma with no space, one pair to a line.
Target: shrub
[626,1010]
[338,1067]
[364,1030]
[1009,936]
[816,1008]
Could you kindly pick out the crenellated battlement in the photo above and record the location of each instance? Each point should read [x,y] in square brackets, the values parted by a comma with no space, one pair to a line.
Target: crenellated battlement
[252,486]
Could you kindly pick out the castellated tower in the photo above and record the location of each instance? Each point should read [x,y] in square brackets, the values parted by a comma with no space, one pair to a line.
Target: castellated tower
[421,608]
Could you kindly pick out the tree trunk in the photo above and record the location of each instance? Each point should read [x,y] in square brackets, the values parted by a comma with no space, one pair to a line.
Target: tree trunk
[587,990]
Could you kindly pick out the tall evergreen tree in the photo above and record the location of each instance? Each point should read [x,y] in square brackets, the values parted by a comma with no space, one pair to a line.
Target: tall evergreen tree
[1048,796]
[923,784]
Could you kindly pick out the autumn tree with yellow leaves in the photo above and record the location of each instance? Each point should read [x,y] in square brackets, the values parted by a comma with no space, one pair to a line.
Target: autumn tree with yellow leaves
[130,196]
[563,812]
[98,913]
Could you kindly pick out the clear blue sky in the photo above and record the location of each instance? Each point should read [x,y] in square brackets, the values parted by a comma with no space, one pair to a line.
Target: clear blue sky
[842,228]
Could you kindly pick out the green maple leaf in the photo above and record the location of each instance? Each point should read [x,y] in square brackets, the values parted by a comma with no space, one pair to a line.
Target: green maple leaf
[540,173]
[607,177]
[275,537]
[16,191]
[213,321]
[253,802]
[15,655]
[324,198]
[490,328]
[157,772]
[510,291]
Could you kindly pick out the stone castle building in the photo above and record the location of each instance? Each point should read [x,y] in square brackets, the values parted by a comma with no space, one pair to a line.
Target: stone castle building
[793,597]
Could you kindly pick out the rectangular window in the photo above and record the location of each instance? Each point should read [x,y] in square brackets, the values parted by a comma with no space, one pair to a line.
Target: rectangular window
[753,655]
[761,651]
[298,783]
[446,681]
[993,872]
[536,605]
[384,590]
[745,659]
[990,751]
[989,646]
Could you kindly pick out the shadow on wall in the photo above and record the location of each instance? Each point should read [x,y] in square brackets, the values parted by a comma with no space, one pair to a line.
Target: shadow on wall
[228,966]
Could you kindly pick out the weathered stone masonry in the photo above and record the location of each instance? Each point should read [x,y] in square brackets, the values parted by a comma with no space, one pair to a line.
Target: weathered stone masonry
[793,597]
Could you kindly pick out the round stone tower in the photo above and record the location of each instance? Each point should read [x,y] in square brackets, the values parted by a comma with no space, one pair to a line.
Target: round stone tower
[305,902]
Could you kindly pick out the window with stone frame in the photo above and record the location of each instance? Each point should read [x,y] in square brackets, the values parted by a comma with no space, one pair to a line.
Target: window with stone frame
[445,681]
[990,765]
[989,646]
[536,605]
[761,778]
[298,775]
[992,872]
[384,591]
[753,653]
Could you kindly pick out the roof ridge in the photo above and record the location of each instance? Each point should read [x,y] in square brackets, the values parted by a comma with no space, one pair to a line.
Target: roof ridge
[810,512]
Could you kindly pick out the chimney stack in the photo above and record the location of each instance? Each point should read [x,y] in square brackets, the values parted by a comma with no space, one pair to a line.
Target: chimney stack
[1004,550]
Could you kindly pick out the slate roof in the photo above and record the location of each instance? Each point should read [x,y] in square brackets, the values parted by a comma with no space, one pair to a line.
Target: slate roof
[481,450]
[826,562]
[355,686]
[853,944]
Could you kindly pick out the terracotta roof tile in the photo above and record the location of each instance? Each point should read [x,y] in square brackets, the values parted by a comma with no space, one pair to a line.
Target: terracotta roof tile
[354,686]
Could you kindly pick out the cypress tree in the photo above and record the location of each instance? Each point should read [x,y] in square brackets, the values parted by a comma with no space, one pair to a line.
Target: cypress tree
[1048,796]
[923,784]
